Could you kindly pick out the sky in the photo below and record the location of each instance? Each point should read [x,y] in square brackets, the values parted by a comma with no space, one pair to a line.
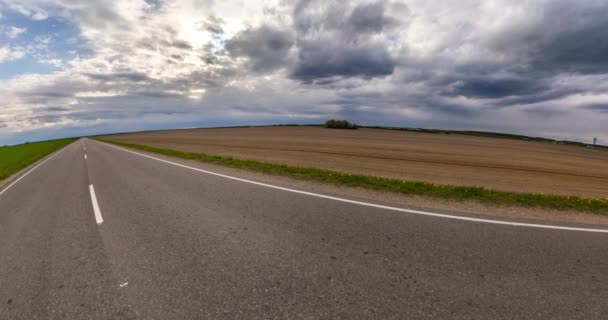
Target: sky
[534,67]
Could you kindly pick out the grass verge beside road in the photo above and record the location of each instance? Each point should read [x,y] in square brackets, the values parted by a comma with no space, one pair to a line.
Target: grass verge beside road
[592,205]
[15,158]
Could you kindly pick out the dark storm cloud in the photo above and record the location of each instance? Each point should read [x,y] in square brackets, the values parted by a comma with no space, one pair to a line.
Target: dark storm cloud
[370,18]
[44,118]
[377,102]
[266,47]
[568,38]
[99,114]
[584,51]
[54,109]
[496,88]
[154,94]
[339,42]
[328,46]
[581,43]
[52,94]
[519,89]
[119,76]
[44,95]
[119,114]
[320,60]
[547,94]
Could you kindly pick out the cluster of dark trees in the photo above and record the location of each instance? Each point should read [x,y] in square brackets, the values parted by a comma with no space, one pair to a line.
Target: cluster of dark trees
[340,124]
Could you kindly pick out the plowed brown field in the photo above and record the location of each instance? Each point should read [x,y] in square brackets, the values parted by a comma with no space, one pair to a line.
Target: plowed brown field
[502,164]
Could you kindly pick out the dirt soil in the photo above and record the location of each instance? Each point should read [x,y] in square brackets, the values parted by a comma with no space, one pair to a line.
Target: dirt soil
[502,164]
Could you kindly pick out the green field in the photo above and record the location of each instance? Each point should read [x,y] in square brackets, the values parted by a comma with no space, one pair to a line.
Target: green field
[592,205]
[15,158]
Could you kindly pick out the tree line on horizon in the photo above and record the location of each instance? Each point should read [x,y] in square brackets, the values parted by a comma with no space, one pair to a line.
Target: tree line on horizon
[340,124]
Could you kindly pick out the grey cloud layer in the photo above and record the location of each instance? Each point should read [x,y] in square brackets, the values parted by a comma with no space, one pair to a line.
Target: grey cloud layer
[537,67]
[327,40]
[266,47]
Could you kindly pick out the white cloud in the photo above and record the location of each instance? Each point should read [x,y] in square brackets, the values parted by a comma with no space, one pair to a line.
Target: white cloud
[13,32]
[39,16]
[10,54]
[58,63]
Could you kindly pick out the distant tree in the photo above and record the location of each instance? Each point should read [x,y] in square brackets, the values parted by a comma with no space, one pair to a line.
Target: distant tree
[340,124]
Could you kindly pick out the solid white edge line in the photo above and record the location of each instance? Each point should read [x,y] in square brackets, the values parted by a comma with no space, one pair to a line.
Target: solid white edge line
[98,217]
[367,204]
[32,169]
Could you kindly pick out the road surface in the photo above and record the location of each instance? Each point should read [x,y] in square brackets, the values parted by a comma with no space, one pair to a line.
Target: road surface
[160,241]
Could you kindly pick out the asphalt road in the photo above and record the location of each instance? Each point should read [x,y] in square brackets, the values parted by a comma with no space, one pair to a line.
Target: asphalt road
[181,244]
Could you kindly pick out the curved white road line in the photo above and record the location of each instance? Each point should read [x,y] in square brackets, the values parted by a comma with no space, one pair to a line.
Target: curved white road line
[32,169]
[367,204]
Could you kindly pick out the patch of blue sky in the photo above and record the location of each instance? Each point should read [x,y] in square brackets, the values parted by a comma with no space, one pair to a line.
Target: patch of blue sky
[155,3]
[25,65]
[43,40]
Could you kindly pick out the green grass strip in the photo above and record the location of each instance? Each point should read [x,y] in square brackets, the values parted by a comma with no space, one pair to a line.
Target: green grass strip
[15,158]
[592,205]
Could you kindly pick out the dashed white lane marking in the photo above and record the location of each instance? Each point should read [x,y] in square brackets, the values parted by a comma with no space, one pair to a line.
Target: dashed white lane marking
[85,156]
[373,205]
[32,169]
[96,210]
